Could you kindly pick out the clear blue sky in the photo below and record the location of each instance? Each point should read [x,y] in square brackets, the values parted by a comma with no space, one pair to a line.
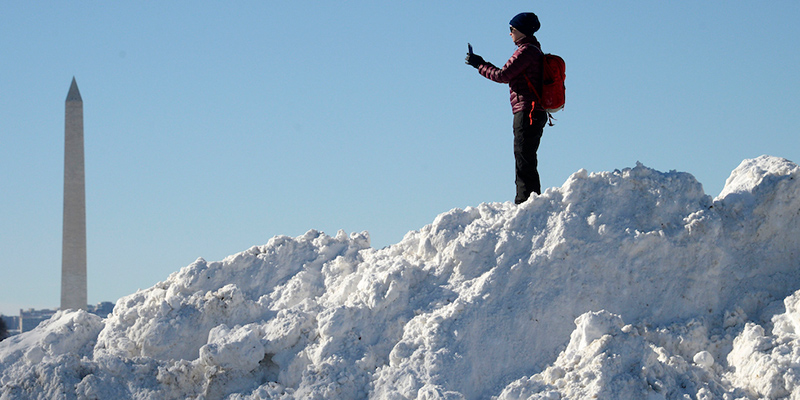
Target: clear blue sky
[211,127]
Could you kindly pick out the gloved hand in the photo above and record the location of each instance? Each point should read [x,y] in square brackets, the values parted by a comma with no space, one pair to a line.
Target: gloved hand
[474,60]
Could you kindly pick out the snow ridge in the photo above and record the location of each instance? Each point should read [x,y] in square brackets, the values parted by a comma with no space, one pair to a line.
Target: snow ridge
[622,284]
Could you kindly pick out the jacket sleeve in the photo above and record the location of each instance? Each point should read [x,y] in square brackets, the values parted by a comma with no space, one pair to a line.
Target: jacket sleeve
[515,65]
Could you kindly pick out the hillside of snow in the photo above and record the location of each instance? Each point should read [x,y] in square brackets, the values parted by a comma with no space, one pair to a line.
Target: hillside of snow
[626,284]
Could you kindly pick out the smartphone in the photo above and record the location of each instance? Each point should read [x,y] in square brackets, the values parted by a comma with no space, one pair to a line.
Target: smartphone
[469,48]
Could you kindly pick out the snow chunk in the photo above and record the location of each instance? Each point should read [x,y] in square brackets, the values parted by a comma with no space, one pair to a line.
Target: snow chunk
[751,173]
[703,359]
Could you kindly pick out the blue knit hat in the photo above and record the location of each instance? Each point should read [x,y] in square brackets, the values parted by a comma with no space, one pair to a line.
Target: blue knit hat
[527,23]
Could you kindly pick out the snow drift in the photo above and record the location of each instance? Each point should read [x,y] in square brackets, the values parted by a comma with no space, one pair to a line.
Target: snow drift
[623,284]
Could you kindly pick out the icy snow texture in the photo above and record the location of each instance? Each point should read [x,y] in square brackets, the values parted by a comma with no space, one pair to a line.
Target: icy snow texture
[623,284]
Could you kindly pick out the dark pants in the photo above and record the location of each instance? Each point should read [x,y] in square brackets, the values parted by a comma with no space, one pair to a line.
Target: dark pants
[527,135]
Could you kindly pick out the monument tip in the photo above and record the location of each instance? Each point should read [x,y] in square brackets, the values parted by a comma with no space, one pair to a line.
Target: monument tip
[74,94]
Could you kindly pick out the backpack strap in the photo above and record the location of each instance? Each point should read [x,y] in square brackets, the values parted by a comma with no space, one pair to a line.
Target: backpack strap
[550,118]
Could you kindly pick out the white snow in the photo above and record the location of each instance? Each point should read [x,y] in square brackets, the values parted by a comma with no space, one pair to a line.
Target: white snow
[630,284]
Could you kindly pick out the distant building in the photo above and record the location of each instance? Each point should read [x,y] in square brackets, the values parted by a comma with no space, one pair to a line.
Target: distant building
[30,318]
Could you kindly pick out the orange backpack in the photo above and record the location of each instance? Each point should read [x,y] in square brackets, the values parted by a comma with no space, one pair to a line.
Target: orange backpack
[553,93]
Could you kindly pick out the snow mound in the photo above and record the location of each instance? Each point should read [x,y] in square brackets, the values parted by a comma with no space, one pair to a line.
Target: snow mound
[623,284]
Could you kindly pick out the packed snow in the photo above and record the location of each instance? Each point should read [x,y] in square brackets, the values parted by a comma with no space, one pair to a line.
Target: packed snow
[630,284]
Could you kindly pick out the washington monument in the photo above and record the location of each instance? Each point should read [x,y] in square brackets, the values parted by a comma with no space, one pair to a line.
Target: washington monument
[73,247]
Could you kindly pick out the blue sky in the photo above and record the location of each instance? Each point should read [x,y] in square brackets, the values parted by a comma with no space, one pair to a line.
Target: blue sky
[211,127]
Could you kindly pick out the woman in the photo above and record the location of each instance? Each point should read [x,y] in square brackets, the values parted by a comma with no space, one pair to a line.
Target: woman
[523,73]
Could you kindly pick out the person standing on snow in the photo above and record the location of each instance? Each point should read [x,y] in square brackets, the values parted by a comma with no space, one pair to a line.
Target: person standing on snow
[523,73]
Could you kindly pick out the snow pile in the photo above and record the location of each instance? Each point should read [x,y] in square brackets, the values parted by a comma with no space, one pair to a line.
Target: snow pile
[623,284]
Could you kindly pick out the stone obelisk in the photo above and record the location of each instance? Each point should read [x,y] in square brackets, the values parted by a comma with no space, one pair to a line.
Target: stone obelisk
[73,250]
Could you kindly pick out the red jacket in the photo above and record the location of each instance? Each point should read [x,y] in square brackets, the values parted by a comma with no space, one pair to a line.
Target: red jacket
[526,60]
